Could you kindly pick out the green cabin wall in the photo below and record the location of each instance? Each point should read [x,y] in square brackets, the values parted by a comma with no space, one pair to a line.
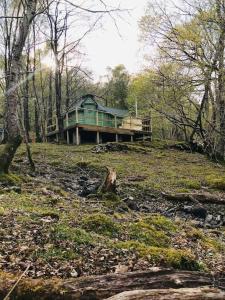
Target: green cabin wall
[87,115]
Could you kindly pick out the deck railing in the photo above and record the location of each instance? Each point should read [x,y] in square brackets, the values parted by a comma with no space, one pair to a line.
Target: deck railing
[84,116]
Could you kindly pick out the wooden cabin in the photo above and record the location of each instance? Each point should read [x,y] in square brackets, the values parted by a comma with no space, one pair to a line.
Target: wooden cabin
[88,121]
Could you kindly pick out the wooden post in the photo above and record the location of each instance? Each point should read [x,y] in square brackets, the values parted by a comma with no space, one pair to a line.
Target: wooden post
[97,118]
[98,137]
[74,137]
[131,138]
[77,136]
[115,121]
[117,137]
[67,120]
[67,137]
[77,117]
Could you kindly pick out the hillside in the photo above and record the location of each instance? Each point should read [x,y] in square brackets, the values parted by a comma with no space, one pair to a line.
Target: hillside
[55,222]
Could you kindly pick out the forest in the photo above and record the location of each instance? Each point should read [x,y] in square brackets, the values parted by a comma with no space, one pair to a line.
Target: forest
[112,187]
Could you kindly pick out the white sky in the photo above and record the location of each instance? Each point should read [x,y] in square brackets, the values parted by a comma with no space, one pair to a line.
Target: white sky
[106,47]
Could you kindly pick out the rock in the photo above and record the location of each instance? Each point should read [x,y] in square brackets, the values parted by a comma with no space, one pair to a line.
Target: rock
[84,178]
[121,269]
[16,189]
[74,273]
[131,204]
[110,147]
[197,211]
[208,218]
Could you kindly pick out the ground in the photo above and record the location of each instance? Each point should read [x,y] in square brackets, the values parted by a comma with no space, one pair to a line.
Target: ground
[56,222]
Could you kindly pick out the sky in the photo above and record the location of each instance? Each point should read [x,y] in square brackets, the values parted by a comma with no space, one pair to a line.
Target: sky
[108,47]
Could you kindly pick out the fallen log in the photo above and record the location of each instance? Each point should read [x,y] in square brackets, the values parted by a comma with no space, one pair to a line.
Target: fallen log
[195,198]
[205,293]
[105,286]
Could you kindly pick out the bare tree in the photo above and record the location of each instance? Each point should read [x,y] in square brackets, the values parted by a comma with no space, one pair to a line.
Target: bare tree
[12,126]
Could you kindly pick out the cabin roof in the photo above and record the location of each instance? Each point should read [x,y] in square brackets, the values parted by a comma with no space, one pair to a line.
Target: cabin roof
[114,111]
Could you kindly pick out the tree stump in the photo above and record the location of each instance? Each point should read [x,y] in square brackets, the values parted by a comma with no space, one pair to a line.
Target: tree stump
[109,182]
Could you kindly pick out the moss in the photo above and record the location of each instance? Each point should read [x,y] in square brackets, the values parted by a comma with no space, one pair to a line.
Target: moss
[10,179]
[148,234]
[101,224]
[162,223]
[194,234]
[179,191]
[77,235]
[58,190]
[56,253]
[206,242]
[213,244]
[2,211]
[111,200]
[180,259]
[190,184]
[83,164]
[55,163]
[215,182]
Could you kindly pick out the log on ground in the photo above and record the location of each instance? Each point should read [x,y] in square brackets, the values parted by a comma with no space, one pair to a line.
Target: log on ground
[195,198]
[205,293]
[105,286]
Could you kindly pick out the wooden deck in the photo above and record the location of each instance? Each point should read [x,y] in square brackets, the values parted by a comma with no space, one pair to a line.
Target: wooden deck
[95,128]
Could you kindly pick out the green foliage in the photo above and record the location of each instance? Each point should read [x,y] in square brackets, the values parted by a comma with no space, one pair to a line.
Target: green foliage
[116,88]
[101,224]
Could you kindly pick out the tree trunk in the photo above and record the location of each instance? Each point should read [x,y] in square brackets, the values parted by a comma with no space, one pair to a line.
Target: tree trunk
[26,116]
[221,81]
[58,98]
[12,125]
[50,98]
[38,138]
[67,89]
[105,286]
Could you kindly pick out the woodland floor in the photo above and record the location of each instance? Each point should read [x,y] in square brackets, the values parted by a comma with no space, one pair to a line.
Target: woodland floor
[54,221]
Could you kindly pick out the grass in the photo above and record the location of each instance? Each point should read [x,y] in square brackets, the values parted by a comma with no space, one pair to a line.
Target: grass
[162,169]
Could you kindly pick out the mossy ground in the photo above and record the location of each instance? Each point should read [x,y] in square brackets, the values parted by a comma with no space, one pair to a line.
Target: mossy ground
[59,232]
